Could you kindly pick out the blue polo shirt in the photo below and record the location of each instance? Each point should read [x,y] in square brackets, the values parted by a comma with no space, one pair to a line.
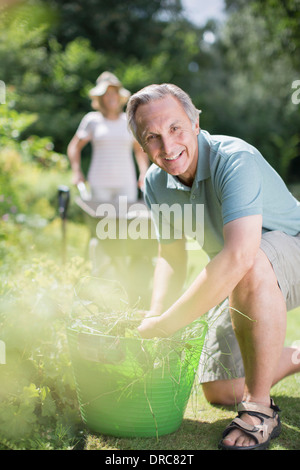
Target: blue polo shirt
[232,180]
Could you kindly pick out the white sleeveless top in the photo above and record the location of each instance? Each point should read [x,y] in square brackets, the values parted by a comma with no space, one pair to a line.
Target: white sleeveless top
[112,164]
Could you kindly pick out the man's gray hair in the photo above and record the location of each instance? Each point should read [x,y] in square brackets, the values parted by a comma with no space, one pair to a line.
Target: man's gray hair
[157,92]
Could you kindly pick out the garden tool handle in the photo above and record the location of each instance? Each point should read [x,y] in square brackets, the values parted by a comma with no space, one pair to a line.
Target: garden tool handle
[63,200]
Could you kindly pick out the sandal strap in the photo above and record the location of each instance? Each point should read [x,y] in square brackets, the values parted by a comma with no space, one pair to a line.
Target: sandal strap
[259,432]
[238,422]
[269,411]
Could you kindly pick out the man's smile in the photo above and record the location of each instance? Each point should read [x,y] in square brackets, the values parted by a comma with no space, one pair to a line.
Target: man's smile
[175,157]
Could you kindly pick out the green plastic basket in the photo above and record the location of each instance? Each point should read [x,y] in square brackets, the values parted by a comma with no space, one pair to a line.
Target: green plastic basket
[129,387]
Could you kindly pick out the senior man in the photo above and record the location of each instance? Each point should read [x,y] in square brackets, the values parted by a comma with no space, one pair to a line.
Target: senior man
[252,237]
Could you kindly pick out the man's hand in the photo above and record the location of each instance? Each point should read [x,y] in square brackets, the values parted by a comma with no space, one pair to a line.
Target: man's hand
[149,328]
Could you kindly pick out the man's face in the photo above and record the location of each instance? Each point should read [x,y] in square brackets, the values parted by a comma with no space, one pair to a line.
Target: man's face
[168,137]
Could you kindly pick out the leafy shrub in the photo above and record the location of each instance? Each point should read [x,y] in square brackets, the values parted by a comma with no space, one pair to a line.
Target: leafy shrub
[38,150]
[37,394]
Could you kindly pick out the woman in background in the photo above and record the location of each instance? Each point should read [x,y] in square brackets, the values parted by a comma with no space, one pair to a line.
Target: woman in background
[112,171]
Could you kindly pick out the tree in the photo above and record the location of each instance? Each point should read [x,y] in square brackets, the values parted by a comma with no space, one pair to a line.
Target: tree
[57,54]
[259,41]
[115,27]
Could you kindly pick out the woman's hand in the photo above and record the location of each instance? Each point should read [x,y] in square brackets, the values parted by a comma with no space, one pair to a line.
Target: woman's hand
[77,177]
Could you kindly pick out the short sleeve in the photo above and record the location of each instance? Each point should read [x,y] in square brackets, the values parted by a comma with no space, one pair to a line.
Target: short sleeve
[166,218]
[239,187]
[85,128]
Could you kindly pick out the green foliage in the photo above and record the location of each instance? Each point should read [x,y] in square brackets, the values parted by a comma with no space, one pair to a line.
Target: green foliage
[116,28]
[38,406]
[241,80]
[37,393]
[23,55]
[13,125]
[282,20]
[260,70]
[59,61]
[30,172]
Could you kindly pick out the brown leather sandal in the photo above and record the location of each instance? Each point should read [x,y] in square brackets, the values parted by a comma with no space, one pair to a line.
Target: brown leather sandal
[262,433]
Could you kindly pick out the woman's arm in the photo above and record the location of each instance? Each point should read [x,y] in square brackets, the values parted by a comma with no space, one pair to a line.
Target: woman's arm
[74,154]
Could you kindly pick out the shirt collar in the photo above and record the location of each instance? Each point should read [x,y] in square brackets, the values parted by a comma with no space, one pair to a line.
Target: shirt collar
[203,167]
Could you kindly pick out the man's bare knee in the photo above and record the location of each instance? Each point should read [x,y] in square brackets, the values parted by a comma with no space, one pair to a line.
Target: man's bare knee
[260,276]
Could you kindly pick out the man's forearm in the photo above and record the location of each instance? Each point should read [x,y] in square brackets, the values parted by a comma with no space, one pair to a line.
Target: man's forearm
[212,286]
[215,282]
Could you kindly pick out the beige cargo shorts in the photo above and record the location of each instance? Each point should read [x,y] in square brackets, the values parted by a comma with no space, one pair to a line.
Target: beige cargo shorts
[221,358]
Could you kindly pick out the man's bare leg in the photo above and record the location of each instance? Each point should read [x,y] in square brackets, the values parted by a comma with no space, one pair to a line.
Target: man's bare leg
[261,337]
[230,392]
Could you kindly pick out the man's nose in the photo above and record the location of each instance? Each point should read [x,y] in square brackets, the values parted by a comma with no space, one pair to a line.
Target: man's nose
[167,145]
